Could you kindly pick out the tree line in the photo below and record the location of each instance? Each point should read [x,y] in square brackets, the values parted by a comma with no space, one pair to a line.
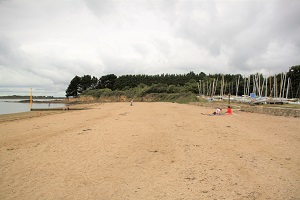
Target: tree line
[201,83]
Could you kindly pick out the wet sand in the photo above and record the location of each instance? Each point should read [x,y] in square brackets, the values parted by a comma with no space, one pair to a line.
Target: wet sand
[149,151]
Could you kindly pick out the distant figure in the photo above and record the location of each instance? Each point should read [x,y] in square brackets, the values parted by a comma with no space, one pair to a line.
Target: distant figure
[229,111]
[217,112]
[131,103]
[49,105]
[66,108]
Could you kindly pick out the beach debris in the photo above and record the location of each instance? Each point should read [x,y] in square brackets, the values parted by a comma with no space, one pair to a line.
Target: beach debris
[154,151]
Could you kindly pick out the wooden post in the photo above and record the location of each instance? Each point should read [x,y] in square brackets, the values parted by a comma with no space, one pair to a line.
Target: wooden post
[30,98]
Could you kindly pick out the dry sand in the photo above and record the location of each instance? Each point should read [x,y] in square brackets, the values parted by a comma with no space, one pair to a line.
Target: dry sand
[149,151]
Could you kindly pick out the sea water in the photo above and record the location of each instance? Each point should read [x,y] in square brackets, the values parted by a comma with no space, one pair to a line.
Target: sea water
[8,106]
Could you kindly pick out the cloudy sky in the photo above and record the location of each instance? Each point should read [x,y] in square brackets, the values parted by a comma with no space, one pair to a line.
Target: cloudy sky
[45,43]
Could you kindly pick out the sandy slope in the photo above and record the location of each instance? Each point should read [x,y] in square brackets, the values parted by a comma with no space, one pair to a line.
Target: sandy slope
[150,151]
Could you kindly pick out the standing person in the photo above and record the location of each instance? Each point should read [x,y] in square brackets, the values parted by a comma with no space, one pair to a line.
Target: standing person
[131,103]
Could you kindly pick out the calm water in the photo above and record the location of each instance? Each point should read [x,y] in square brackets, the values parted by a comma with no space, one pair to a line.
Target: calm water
[8,106]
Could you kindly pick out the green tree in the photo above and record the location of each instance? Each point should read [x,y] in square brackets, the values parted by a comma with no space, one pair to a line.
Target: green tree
[294,74]
[85,83]
[191,86]
[73,87]
[94,82]
[107,81]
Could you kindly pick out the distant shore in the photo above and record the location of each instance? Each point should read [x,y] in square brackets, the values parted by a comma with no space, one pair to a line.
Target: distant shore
[35,99]
[40,112]
[28,97]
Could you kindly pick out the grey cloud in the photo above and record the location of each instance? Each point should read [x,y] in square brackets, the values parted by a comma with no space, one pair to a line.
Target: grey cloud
[224,24]
[101,7]
[47,43]
[9,52]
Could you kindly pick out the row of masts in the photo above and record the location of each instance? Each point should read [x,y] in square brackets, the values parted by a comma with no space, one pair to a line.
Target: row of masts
[257,84]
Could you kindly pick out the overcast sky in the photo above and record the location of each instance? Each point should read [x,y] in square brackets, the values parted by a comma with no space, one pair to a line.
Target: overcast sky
[45,43]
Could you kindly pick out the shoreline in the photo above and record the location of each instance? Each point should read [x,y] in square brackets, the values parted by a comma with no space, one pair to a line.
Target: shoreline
[279,110]
[34,101]
[40,112]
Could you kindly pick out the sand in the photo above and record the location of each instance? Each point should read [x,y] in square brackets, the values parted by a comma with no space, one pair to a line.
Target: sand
[149,151]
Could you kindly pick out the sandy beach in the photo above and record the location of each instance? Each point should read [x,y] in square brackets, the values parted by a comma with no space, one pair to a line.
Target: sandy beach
[149,151]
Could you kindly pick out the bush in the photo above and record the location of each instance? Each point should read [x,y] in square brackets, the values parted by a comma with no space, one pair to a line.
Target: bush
[156,92]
